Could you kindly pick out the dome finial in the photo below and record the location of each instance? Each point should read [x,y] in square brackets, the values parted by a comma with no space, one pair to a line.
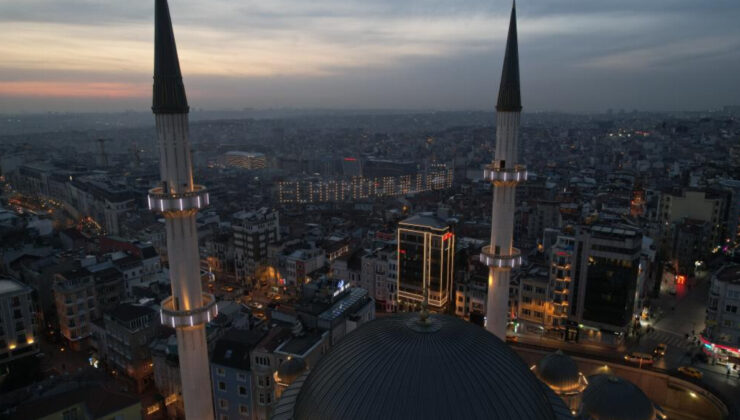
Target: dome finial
[424,313]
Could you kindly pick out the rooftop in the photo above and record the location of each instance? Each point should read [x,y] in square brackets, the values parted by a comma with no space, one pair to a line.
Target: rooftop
[127,312]
[729,273]
[10,286]
[425,220]
[300,345]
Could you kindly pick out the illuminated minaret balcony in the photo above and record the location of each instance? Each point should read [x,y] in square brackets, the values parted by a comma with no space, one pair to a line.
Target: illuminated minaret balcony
[498,174]
[162,202]
[188,318]
[495,260]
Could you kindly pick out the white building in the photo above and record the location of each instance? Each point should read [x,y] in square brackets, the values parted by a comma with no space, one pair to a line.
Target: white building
[722,335]
[17,321]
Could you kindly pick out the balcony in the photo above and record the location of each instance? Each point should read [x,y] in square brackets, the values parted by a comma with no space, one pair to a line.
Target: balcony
[491,259]
[162,202]
[198,316]
[499,175]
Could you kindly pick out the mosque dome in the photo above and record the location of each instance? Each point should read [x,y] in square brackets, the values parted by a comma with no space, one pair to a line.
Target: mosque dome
[559,372]
[397,367]
[610,397]
[290,369]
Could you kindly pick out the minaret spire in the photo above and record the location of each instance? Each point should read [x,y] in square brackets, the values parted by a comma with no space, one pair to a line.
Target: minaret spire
[169,92]
[509,97]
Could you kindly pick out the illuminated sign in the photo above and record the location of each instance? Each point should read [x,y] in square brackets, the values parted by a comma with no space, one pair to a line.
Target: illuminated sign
[447,236]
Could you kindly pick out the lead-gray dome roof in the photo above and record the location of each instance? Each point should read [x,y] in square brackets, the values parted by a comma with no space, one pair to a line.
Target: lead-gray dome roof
[610,397]
[559,372]
[393,368]
[291,368]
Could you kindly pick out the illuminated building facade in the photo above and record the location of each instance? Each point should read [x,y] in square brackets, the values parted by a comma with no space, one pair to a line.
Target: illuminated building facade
[504,173]
[17,321]
[363,188]
[246,160]
[426,251]
[722,334]
[178,199]
[562,298]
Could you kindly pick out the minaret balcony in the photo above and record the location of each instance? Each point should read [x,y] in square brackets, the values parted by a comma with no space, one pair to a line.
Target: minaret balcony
[499,175]
[163,202]
[201,315]
[491,259]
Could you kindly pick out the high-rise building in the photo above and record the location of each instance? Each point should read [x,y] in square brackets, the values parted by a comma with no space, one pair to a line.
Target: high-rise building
[17,321]
[426,251]
[179,199]
[500,256]
[607,278]
[253,232]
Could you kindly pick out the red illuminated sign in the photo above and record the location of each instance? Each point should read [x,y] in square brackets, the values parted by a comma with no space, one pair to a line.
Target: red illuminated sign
[447,236]
[350,159]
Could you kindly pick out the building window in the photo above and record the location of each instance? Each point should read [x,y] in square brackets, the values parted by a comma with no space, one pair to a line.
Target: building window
[241,377]
[222,403]
[242,390]
[243,410]
[221,372]
[70,414]
[221,386]
[224,417]
[731,308]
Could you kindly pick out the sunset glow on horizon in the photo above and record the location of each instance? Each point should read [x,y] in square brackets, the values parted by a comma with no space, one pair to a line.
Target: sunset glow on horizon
[333,53]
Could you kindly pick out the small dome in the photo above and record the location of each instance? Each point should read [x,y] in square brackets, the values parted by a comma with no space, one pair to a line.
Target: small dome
[290,369]
[559,372]
[609,397]
[398,368]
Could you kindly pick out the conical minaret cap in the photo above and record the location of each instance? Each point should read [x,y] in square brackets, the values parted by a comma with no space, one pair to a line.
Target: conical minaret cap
[509,97]
[169,91]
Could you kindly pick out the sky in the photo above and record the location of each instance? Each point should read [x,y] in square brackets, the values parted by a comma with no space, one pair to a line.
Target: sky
[575,55]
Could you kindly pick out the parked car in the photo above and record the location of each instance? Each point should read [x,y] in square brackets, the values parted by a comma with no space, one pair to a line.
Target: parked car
[692,372]
[639,358]
[660,350]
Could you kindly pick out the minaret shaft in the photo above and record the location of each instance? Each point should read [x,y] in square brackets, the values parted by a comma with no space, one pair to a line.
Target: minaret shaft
[504,173]
[178,199]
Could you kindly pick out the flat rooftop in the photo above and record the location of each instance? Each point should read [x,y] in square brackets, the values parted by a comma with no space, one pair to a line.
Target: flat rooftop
[425,221]
[10,286]
[730,274]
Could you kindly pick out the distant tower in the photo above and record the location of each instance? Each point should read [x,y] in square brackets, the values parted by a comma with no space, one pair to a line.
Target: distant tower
[504,174]
[179,199]
[103,156]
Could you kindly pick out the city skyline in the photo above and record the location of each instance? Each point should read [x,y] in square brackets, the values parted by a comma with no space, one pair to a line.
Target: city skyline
[579,56]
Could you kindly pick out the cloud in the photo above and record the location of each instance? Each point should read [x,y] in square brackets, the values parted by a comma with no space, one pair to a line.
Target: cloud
[343,44]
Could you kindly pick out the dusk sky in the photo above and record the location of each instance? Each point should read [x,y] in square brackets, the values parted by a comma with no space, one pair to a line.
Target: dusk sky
[576,55]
